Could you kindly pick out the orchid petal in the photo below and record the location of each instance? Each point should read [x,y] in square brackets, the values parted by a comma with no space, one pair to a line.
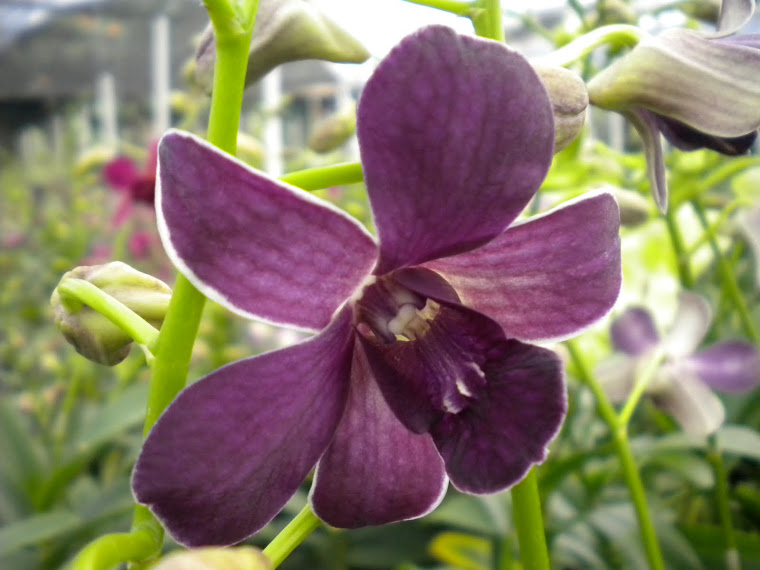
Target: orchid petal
[493,443]
[456,135]
[231,450]
[734,14]
[694,406]
[120,173]
[617,375]
[257,246]
[438,371]
[634,332]
[548,277]
[705,83]
[689,326]
[648,127]
[731,366]
[686,138]
[375,470]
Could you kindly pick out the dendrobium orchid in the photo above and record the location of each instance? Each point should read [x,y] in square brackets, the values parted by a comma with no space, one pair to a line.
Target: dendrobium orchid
[683,384]
[419,372]
[136,185]
[697,90]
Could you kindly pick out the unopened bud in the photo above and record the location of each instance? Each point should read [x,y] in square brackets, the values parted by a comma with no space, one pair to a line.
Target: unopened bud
[285,30]
[634,208]
[569,98]
[331,132]
[93,335]
[237,558]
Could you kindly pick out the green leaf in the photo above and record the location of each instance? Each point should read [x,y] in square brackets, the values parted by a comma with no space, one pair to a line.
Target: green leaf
[462,550]
[36,529]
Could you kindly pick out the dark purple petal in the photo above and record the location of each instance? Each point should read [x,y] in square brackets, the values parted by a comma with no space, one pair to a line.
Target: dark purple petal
[438,370]
[731,366]
[686,138]
[120,173]
[234,447]
[257,246]
[490,445]
[456,135]
[634,332]
[375,470]
[548,277]
[648,128]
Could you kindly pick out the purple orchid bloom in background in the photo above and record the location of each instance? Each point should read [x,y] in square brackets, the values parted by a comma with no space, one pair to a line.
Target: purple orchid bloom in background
[697,90]
[420,371]
[136,185]
[684,382]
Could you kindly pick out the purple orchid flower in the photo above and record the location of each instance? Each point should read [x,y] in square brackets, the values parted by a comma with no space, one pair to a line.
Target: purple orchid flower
[420,372]
[136,185]
[683,385]
[697,90]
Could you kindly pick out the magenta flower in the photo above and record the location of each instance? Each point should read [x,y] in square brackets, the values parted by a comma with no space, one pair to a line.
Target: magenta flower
[135,185]
[683,385]
[419,372]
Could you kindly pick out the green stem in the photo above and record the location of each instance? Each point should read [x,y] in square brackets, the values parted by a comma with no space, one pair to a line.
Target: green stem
[643,380]
[625,455]
[714,455]
[233,26]
[717,176]
[292,535]
[75,291]
[615,34]
[453,6]
[326,176]
[679,249]
[728,278]
[526,509]
[486,19]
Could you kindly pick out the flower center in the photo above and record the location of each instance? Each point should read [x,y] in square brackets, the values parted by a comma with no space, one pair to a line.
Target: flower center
[411,323]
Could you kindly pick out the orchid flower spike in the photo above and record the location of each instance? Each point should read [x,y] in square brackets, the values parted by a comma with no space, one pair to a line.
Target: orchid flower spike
[284,31]
[420,371]
[697,90]
[683,385]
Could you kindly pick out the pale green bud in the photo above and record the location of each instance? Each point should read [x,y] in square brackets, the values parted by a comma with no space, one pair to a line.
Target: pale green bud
[569,98]
[331,132]
[634,208]
[285,30]
[94,336]
[237,558]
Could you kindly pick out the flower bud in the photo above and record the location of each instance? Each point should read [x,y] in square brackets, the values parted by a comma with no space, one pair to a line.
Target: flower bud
[331,132]
[634,208]
[93,335]
[284,31]
[237,558]
[569,98]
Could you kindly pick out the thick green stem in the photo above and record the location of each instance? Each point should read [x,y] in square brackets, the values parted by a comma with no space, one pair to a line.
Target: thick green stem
[292,535]
[233,26]
[728,278]
[614,35]
[627,462]
[118,313]
[453,6]
[486,19]
[714,455]
[679,249]
[326,176]
[528,520]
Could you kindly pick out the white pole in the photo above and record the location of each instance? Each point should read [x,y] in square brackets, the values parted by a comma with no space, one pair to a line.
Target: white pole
[106,90]
[271,88]
[161,73]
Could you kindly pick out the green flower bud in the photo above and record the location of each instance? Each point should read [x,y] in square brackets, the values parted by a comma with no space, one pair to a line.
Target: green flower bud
[93,335]
[331,132]
[569,98]
[238,558]
[285,30]
[634,208]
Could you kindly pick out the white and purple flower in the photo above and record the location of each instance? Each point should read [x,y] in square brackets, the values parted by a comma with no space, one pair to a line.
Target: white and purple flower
[683,384]
[419,371]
